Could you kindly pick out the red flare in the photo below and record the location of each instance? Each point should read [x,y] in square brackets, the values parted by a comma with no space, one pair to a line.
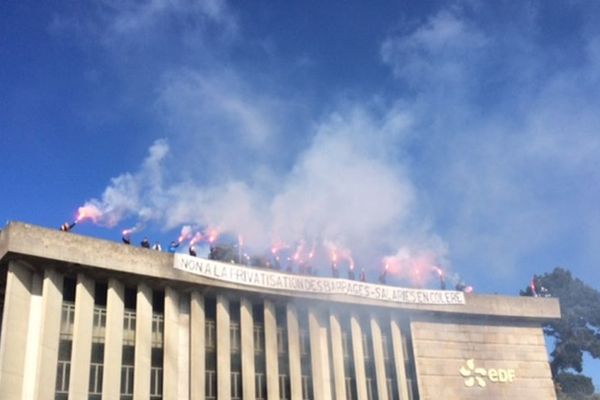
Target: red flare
[296,257]
[412,266]
[211,234]
[335,272]
[462,287]
[277,246]
[88,211]
[334,257]
[186,233]
[351,263]
[197,237]
[533,288]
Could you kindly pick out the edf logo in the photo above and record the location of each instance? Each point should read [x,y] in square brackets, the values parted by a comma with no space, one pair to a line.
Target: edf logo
[474,375]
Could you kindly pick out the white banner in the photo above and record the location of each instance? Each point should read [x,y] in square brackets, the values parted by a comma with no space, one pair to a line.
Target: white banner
[264,278]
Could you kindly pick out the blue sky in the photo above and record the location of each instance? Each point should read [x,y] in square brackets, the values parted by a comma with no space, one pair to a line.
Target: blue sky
[463,134]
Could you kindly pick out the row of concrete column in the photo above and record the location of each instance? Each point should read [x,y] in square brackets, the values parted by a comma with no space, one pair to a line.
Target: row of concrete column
[31,330]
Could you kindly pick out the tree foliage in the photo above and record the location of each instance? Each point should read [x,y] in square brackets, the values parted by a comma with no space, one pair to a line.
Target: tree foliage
[575,386]
[578,330]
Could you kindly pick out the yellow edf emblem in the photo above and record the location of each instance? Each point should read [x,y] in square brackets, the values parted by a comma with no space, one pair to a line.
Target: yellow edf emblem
[473,374]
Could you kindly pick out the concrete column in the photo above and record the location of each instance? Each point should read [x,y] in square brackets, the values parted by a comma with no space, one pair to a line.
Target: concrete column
[143,343]
[247,335]
[81,352]
[184,347]
[49,333]
[337,353]
[223,349]
[293,332]
[378,359]
[319,357]
[113,342]
[359,358]
[315,354]
[272,365]
[32,349]
[15,320]
[197,347]
[171,344]
[398,350]
[325,360]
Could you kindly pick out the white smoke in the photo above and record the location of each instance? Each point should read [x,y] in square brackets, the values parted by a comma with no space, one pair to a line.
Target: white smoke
[134,194]
[344,188]
[244,156]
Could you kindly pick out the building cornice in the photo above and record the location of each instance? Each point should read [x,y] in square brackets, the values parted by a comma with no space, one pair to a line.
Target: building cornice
[65,249]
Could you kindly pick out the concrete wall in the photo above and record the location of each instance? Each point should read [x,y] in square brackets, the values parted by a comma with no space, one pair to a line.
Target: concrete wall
[509,359]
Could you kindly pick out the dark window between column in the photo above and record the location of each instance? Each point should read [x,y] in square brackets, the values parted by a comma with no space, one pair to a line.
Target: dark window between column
[282,353]
[210,332]
[67,319]
[260,380]
[370,372]
[305,365]
[235,349]
[409,361]
[349,372]
[128,356]
[158,329]
[98,335]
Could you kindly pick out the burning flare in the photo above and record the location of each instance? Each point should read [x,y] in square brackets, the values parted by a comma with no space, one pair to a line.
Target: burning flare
[186,233]
[335,271]
[126,234]
[440,273]
[211,234]
[351,274]
[197,238]
[414,267]
[88,211]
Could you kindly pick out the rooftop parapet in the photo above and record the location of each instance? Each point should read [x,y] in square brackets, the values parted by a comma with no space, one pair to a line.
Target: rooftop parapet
[33,243]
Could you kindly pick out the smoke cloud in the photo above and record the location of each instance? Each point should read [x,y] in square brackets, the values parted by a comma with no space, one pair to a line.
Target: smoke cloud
[133,194]
[346,189]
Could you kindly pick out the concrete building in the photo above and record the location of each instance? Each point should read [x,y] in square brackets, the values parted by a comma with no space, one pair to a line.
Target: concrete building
[90,319]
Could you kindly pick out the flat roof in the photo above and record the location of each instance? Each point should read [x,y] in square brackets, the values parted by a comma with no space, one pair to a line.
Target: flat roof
[66,250]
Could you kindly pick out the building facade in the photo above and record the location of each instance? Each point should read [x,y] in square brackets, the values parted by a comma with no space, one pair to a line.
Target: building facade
[90,319]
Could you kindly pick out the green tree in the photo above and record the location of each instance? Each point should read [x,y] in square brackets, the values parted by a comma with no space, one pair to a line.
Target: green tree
[578,330]
[574,386]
